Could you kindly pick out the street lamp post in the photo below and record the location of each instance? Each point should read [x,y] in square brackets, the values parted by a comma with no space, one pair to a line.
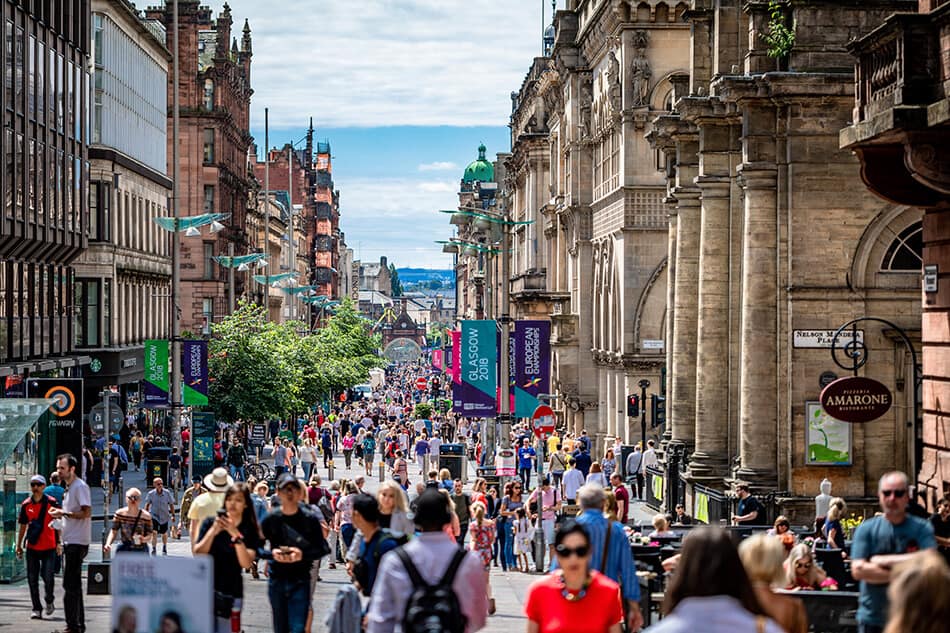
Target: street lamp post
[643,384]
[176,248]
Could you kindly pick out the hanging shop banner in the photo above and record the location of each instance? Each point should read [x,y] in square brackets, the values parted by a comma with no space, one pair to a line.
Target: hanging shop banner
[437,358]
[532,365]
[64,428]
[155,384]
[203,428]
[456,356]
[194,372]
[856,399]
[827,440]
[162,593]
[475,395]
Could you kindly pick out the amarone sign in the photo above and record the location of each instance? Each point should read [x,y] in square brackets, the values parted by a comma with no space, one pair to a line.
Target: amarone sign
[856,399]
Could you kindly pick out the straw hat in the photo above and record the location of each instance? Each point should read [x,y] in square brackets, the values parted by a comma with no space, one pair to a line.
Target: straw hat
[218,480]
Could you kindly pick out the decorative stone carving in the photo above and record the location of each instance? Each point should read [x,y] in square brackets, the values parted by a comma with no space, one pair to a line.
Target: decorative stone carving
[614,82]
[586,99]
[640,71]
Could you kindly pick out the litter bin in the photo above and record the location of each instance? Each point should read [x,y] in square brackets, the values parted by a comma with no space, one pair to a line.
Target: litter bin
[157,459]
[453,457]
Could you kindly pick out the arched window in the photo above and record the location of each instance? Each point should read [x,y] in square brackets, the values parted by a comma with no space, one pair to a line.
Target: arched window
[209,94]
[906,251]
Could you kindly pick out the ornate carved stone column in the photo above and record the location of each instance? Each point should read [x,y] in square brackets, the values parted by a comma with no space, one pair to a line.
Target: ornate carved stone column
[758,377]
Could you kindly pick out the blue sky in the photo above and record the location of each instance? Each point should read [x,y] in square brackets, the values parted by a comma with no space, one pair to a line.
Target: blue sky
[405,90]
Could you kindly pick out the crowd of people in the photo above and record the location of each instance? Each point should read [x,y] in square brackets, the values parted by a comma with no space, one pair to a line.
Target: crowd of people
[420,551]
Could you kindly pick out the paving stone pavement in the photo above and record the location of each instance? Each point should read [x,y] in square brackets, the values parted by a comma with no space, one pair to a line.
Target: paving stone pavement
[509,589]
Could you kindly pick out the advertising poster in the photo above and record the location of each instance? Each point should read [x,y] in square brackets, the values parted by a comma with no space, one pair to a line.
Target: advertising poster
[64,424]
[159,593]
[474,396]
[505,462]
[827,440]
[531,372]
[194,372]
[203,428]
[155,384]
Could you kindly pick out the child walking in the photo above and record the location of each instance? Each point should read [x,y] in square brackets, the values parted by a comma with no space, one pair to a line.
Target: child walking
[523,532]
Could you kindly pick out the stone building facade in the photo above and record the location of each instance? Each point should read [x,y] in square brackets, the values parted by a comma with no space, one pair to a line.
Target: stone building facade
[771,248]
[126,270]
[603,222]
[214,139]
[900,133]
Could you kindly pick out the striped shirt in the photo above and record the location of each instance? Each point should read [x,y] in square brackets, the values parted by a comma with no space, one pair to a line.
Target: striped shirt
[620,565]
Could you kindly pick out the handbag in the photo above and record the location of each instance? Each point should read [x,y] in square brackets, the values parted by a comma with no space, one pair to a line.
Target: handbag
[131,546]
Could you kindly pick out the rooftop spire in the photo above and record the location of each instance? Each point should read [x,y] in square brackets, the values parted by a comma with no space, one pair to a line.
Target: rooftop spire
[246,40]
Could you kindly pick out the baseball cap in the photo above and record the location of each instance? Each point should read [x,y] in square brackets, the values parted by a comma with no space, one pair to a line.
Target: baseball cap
[38,479]
[286,479]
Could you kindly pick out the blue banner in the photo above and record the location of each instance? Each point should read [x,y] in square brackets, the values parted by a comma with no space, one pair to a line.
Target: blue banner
[531,370]
[475,395]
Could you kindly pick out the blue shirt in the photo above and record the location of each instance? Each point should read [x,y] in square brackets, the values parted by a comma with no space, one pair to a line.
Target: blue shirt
[55,491]
[620,566]
[582,462]
[525,453]
[876,536]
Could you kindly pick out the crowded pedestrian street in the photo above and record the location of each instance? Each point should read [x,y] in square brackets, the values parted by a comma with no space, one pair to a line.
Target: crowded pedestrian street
[429,316]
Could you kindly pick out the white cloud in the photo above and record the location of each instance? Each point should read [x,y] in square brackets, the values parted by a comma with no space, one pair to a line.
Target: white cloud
[439,166]
[388,62]
[398,218]
[439,187]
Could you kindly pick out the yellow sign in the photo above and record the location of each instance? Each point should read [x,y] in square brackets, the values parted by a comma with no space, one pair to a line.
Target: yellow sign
[702,507]
[658,487]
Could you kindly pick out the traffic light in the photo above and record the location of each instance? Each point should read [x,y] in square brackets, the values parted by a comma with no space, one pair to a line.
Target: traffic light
[659,410]
[633,405]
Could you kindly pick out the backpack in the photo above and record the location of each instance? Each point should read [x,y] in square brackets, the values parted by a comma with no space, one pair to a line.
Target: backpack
[218,452]
[432,608]
[361,567]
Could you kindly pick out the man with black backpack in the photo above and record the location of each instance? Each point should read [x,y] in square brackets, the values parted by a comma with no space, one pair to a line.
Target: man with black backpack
[374,544]
[430,584]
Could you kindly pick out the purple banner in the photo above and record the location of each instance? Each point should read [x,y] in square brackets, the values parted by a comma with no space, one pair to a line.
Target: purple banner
[531,372]
[194,372]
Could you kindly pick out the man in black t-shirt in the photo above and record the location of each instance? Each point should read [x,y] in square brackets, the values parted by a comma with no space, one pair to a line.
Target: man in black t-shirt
[941,523]
[750,511]
[237,458]
[296,541]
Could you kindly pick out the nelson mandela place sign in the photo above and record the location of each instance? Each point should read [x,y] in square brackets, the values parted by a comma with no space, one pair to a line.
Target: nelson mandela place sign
[856,399]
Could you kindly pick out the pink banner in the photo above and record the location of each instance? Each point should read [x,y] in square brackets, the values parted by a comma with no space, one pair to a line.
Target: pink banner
[456,356]
[437,358]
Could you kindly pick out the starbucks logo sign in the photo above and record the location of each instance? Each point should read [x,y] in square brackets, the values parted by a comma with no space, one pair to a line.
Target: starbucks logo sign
[95,366]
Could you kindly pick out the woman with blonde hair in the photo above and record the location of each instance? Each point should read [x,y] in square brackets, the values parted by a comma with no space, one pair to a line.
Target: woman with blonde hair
[661,527]
[482,530]
[610,505]
[832,530]
[308,456]
[393,509]
[762,556]
[801,570]
[920,596]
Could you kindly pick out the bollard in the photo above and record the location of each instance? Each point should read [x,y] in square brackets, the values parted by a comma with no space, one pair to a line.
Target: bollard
[382,472]
[539,546]
[330,470]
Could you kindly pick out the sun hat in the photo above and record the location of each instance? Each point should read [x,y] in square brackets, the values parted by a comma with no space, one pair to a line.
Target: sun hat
[218,480]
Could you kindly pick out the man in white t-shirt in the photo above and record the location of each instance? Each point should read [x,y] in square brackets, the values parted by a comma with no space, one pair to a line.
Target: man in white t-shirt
[76,536]
[434,445]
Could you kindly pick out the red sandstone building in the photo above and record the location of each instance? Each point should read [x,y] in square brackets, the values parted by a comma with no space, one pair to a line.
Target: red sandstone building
[901,134]
[214,139]
[327,236]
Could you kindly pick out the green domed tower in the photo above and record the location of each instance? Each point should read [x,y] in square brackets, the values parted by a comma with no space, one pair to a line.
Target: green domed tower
[479,169]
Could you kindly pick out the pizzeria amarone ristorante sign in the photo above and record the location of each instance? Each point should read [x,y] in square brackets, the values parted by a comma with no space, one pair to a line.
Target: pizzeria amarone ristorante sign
[856,399]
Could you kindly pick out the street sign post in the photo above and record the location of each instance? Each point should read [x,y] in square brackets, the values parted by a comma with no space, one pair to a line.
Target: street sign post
[543,420]
[421,383]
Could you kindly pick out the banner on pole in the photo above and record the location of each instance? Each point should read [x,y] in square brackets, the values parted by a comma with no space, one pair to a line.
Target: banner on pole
[437,358]
[475,395]
[202,433]
[456,356]
[194,372]
[531,372]
[155,391]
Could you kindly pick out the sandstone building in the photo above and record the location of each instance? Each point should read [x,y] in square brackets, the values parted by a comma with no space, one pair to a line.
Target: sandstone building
[773,246]
[900,134]
[214,96]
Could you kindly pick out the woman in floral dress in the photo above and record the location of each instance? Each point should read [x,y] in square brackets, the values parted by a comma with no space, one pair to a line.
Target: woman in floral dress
[482,531]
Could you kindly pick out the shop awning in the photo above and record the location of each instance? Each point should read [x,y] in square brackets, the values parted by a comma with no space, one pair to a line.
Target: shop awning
[17,415]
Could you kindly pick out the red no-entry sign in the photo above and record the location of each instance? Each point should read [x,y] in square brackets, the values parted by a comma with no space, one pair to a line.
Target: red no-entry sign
[421,383]
[543,420]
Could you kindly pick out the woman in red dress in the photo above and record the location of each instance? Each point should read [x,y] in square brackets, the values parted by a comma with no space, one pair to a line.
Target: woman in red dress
[482,531]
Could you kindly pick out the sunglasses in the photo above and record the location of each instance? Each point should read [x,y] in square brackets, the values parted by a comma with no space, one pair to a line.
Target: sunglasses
[133,497]
[897,494]
[580,551]
[802,565]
